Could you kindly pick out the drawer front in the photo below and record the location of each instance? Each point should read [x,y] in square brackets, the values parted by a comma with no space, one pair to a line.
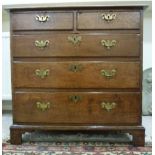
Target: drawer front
[77,74]
[42,20]
[77,107]
[108,20]
[58,45]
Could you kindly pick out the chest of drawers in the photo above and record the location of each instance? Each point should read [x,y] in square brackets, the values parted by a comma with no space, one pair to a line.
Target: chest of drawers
[77,69]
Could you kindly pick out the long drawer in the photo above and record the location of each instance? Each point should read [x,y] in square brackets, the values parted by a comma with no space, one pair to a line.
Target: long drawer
[64,45]
[77,74]
[77,107]
[108,20]
[42,20]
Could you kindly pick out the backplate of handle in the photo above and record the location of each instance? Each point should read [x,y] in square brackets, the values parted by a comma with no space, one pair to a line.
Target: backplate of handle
[42,18]
[108,73]
[108,44]
[42,73]
[41,43]
[108,16]
[43,106]
[108,106]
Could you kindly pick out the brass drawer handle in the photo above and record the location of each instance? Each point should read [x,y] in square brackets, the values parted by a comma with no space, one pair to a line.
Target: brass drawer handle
[43,106]
[108,73]
[74,39]
[108,106]
[108,43]
[42,73]
[75,67]
[42,43]
[108,17]
[75,98]
[42,18]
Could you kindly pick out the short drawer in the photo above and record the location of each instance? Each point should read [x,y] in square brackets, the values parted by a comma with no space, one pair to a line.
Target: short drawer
[64,45]
[42,20]
[77,74]
[77,107]
[108,20]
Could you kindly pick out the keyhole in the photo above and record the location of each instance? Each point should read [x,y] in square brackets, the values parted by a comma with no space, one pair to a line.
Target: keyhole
[75,68]
[75,98]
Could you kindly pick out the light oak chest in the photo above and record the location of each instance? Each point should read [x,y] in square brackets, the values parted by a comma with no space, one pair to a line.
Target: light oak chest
[77,69]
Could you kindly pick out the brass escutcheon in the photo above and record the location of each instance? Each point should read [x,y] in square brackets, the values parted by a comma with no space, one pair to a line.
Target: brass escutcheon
[108,73]
[42,18]
[75,39]
[75,98]
[75,67]
[108,105]
[43,106]
[108,43]
[42,73]
[108,17]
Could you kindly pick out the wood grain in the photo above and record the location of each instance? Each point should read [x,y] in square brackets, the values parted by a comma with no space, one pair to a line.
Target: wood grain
[93,20]
[87,110]
[60,46]
[89,75]
[57,21]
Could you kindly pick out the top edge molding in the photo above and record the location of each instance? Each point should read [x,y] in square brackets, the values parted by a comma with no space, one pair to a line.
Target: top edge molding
[116,3]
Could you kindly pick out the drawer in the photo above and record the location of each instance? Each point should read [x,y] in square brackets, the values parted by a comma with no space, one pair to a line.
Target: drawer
[42,20]
[108,20]
[64,45]
[77,107]
[77,74]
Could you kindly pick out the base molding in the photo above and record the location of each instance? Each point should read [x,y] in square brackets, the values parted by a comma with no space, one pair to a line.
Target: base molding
[138,132]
